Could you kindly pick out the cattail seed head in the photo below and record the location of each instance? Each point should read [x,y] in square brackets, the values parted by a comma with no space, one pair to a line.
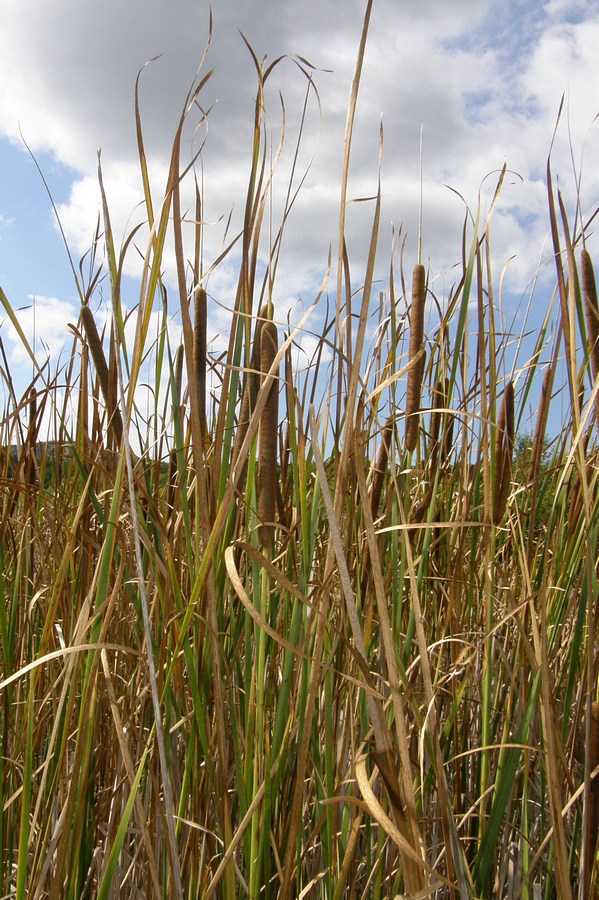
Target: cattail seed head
[417,356]
[96,349]
[179,373]
[172,467]
[97,352]
[380,468]
[437,417]
[200,349]
[29,473]
[447,444]
[251,386]
[589,288]
[536,453]
[504,448]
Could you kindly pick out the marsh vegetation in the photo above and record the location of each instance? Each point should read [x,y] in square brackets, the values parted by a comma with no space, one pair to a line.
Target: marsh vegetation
[317,633]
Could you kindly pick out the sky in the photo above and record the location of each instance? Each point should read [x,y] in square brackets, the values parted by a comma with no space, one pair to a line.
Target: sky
[460,88]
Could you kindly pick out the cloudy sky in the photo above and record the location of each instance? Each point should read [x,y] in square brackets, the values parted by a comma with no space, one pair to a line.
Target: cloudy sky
[481,80]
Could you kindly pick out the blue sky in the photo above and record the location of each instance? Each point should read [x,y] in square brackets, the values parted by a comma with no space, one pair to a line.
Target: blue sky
[32,257]
[483,79]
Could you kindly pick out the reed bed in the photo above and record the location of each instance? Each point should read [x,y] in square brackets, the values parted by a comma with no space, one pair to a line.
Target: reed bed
[309,642]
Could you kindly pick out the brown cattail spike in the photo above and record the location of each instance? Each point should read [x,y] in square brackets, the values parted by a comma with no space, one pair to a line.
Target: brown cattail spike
[113,378]
[417,356]
[592,309]
[172,468]
[179,374]
[269,425]
[576,504]
[97,352]
[504,448]
[380,469]
[591,306]
[536,453]
[250,388]
[436,419]
[30,473]
[447,444]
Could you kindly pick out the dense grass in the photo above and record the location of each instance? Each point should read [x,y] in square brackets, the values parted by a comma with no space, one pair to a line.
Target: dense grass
[333,633]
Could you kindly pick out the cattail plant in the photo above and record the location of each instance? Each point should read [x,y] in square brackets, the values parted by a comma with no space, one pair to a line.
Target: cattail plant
[172,465]
[589,288]
[97,352]
[447,444]
[113,385]
[376,489]
[438,418]
[580,477]
[504,448]
[536,453]
[269,438]
[200,351]
[29,472]
[438,403]
[251,387]
[417,356]
[380,468]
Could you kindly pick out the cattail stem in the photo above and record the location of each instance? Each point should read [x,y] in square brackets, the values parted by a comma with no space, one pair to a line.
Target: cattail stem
[269,425]
[417,356]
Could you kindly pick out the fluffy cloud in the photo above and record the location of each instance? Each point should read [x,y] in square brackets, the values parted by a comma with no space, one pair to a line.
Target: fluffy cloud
[44,323]
[483,80]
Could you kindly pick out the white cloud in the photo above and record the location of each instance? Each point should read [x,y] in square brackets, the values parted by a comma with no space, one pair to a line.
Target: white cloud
[569,9]
[44,322]
[483,79]
[565,61]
